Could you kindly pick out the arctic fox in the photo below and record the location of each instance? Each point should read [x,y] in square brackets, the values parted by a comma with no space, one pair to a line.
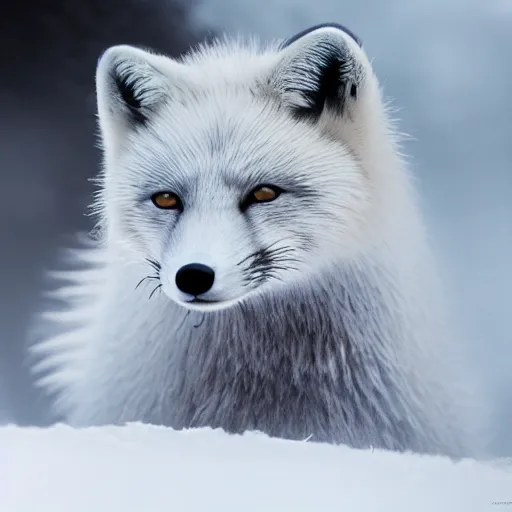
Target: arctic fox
[260,261]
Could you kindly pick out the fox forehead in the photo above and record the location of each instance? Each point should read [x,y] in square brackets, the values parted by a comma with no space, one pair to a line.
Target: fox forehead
[237,143]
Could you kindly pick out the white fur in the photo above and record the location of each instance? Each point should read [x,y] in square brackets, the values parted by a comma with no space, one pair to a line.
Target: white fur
[117,352]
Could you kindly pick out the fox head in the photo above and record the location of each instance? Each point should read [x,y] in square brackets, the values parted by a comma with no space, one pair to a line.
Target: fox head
[239,170]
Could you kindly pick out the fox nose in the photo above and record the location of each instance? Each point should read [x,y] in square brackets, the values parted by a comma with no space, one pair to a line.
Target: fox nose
[195,278]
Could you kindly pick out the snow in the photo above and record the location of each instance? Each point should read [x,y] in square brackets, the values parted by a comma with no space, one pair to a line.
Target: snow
[143,468]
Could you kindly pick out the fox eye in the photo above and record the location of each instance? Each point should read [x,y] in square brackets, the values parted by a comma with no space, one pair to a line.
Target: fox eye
[166,201]
[261,194]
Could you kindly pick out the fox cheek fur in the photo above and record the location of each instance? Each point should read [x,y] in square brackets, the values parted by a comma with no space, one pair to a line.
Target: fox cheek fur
[259,196]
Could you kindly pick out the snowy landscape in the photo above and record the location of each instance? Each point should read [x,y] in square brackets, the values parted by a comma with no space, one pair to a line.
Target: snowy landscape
[143,468]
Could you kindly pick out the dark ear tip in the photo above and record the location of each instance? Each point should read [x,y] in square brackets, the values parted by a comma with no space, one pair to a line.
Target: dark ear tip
[322,25]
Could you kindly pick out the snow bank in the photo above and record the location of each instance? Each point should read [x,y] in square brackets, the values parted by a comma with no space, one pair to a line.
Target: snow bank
[142,468]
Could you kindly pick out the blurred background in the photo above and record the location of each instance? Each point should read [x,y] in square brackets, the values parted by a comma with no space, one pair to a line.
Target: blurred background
[446,63]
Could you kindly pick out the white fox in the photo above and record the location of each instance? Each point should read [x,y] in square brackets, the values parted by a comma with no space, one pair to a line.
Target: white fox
[261,262]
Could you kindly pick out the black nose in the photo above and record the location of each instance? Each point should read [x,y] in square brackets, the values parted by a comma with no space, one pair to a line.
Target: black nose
[195,278]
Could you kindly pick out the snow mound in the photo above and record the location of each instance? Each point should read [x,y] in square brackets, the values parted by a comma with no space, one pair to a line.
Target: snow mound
[143,468]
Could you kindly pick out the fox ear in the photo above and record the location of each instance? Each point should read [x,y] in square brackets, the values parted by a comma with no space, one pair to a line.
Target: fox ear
[131,84]
[319,69]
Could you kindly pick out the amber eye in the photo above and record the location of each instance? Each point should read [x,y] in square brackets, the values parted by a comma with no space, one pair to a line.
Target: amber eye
[262,194]
[265,194]
[166,201]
